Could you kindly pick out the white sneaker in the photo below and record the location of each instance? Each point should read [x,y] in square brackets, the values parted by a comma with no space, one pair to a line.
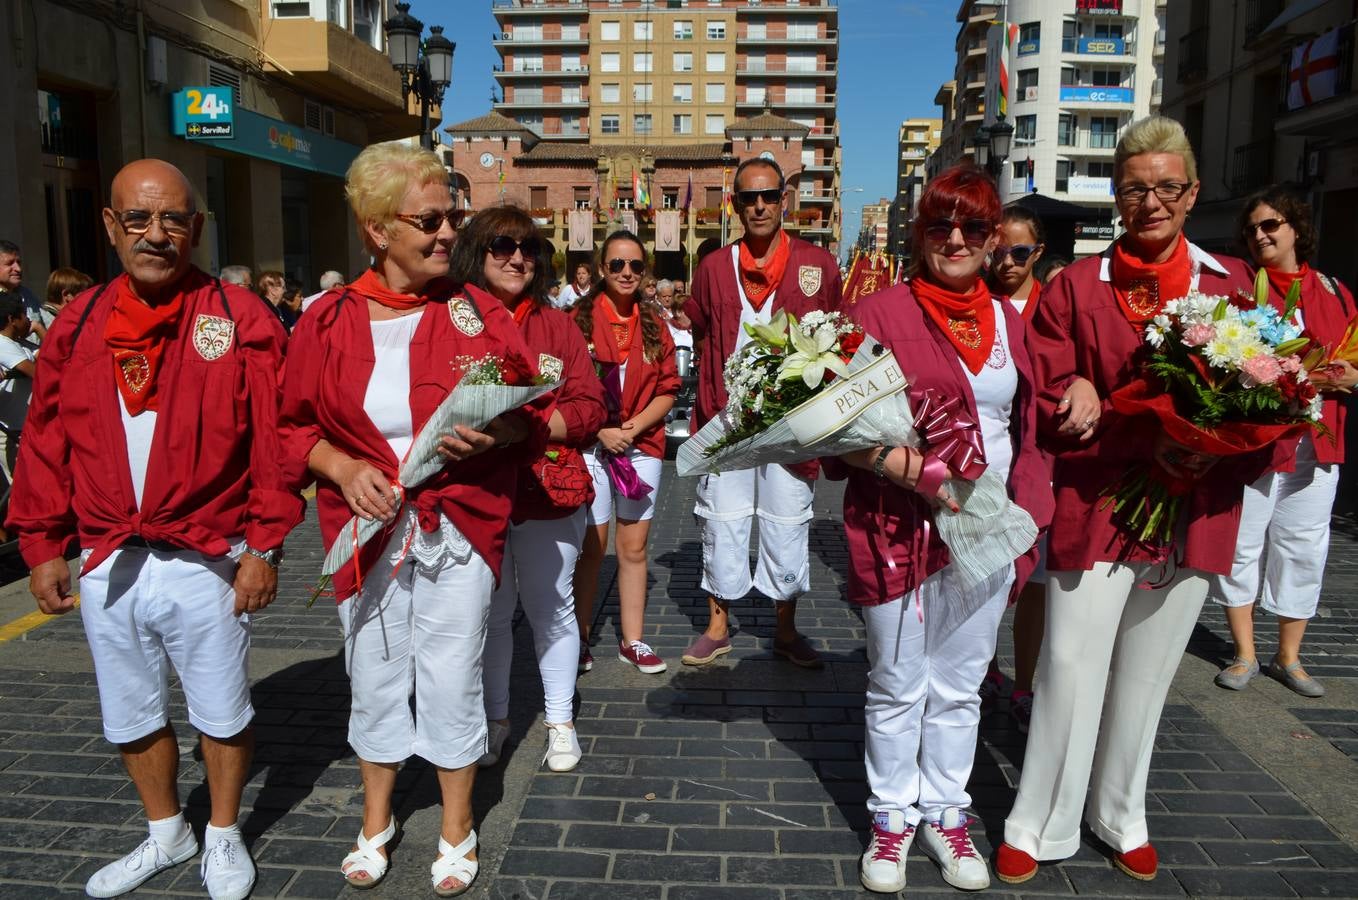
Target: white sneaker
[227,870]
[947,843]
[123,875]
[563,748]
[495,744]
[883,866]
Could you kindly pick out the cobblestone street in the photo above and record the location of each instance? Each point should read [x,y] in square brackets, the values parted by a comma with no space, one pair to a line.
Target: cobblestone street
[744,780]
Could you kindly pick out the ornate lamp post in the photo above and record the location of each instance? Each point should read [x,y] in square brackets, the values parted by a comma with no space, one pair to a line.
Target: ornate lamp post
[1000,135]
[427,70]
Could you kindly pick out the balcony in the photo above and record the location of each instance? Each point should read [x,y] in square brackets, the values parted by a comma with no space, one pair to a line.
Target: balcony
[1258,15]
[826,102]
[511,39]
[825,166]
[817,197]
[1327,117]
[1252,166]
[509,106]
[974,50]
[1098,47]
[1193,55]
[332,64]
[822,70]
[1095,96]
[501,73]
[831,37]
[539,7]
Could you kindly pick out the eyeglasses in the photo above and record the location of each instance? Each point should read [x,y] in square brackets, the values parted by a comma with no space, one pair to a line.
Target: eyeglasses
[1165,192]
[430,223]
[974,231]
[1267,226]
[502,247]
[770,196]
[615,266]
[138,221]
[1019,253]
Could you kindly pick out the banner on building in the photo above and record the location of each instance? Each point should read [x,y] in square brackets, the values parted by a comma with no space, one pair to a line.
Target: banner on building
[667,231]
[629,220]
[581,225]
[1313,71]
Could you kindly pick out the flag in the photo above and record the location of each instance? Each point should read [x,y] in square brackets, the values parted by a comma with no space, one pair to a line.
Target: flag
[581,225]
[688,194]
[1032,177]
[1010,34]
[667,230]
[640,199]
[1313,71]
[868,274]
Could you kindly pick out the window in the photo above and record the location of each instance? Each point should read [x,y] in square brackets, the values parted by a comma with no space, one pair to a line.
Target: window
[1103,132]
[1027,85]
[1108,30]
[1020,170]
[715,92]
[800,92]
[610,62]
[609,124]
[716,30]
[683,93]
[532,121]
[570,124]
[683,123]
[528,30]
[641,62]
[537,197]
[755,93]
[669,198]
[1069,39]
[1101,170]
[1106,77]
[1025,129]
[610,93]
[570,63]
[641,123]
[610,31]
[714,198]
[526,94]
[802,61]
[683,31]
[757,31]
[531,62]
[570,93]
[641,92]
[802,31]
[1030,35]
[714,123]
[683,62]
[581,197]
[624,198]
[641,31]
[756,62]
[1063,168]
[808,158]
[1068,76]
[1065,130]
[570,32]
[716,62]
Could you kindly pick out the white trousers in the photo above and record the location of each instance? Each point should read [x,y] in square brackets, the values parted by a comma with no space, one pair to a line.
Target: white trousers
[1289,512]
[144,610]
[923,710]
[727,504]
[538,571]
[1109,654]
[608,501]
[429,626]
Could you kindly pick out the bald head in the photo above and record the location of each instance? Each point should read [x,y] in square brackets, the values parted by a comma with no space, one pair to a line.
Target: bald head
[153,224]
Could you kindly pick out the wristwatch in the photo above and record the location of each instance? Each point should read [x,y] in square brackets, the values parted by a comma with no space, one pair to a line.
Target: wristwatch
[879,464]
[272,557]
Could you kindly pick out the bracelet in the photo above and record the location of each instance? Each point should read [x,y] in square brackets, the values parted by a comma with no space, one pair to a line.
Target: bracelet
[879,464]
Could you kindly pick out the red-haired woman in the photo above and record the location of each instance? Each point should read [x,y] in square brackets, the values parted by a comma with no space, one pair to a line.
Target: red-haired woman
[636,357]
[954,340]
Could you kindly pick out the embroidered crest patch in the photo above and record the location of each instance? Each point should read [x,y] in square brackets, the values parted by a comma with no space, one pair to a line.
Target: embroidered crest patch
[808,279]
[212,336]
[550,367]
[1326,283]
[136,371]
[465,317]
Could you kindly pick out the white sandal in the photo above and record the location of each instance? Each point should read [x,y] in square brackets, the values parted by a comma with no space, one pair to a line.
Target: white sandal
[367,860]
[453,863]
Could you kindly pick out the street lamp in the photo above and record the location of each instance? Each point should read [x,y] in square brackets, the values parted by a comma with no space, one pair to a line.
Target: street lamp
[980,148]
[425,71]
[1001,138]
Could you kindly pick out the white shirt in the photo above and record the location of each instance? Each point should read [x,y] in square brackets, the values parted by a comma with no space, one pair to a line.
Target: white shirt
[994,388]
[387,400]
[748,314]
[140,432]
[15,389]
[568,296]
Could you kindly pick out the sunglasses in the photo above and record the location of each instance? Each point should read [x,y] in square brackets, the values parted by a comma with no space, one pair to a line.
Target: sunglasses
[974,231]
[138,221]
[502,247]
[770,196]
[430,223]
[1267,226]
[1019,253]
[615,266]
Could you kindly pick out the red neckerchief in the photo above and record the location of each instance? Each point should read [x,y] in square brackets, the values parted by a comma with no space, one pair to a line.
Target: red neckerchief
[1030,305]
[370,285]
[136,333]
[1282,281]
[759,282]
[1142,289]
[966,319]
[523,311]
[621,326]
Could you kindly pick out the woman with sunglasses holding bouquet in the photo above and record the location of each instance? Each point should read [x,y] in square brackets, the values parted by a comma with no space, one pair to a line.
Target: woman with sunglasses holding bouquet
[634,356]
[1288,509]
[955,341]
[372,361]
[499,252]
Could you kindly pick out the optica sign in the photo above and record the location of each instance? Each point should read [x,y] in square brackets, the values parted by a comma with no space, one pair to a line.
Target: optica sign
[1080,94]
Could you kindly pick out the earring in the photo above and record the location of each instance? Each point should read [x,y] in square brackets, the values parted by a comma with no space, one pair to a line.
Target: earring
[382,245]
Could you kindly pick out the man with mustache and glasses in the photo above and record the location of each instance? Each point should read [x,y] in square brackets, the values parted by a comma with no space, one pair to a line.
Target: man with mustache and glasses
[767,270]
[152,441]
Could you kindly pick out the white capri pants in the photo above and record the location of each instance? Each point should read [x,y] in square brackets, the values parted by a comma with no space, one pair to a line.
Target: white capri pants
[538,572]
[607,501]
[1289,512]
[144,610]
[923,710]
[727,504]
[1109,654]
[427,625]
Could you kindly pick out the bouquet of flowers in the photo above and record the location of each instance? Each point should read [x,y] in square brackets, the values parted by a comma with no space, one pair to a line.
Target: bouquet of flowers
[1224,376]
[819,386]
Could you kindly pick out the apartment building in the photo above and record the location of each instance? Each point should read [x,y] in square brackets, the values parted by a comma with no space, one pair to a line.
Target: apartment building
[916,140]
[874,234]
[1267,94]
[659,73]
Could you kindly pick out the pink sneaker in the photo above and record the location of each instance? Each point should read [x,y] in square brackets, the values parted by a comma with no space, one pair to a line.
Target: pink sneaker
[642,656]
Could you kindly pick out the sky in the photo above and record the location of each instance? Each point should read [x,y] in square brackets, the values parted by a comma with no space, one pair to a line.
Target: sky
[893,55]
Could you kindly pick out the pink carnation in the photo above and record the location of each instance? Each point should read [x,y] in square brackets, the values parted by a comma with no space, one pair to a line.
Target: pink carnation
[1261,369]
[1290,364]
[1198,334]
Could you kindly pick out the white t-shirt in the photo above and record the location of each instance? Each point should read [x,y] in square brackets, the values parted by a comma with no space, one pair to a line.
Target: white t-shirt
[568,296]
[140,432]
[994,388]
[16,388]
[387,400]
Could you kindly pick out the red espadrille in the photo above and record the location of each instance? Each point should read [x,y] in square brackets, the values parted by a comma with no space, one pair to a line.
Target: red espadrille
[1141,863]
[1013,866]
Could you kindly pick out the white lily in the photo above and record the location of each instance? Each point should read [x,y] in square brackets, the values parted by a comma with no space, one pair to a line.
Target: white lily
[774,334]
[811,356]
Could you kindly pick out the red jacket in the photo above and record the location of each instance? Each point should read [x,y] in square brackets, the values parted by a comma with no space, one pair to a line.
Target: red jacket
[881,518]
[1079,330]
[554,339]
[214,472]
[327,376]
[645,380]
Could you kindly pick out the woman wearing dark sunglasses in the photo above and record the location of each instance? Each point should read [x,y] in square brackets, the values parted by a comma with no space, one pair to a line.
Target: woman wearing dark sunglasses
[955,341]
[500,252]
[370,363]
[635,358]
[1289,511]
[1015,257]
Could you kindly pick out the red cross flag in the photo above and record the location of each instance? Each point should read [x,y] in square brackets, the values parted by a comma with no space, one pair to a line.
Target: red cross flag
[1313,73]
